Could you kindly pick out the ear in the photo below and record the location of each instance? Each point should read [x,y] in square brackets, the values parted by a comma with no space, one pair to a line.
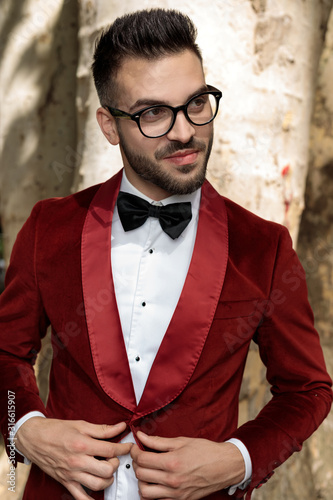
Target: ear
[108,125]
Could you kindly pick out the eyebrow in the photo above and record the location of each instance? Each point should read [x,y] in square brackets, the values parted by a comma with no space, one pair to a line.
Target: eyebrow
[145,102]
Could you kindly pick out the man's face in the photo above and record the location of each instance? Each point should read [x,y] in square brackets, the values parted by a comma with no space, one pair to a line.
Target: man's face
[175,163]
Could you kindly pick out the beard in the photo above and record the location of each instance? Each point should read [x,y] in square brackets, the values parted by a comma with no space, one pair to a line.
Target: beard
[151,171]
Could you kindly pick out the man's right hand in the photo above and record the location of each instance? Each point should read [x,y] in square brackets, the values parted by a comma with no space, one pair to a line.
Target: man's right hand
[65,450]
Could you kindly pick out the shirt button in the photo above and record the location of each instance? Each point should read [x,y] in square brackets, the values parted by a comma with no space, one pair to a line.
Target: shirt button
[151,251]
[128,466]
[144,304]
[137,358]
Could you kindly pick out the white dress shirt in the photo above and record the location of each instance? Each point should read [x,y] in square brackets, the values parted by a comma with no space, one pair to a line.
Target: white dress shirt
[149,270]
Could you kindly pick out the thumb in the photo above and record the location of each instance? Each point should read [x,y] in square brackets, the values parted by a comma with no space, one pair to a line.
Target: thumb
[158,443]
[105,431]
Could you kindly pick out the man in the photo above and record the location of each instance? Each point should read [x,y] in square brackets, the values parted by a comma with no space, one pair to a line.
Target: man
[153,305]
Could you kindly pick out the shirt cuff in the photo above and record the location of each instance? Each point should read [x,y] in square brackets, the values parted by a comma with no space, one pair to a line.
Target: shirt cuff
[248,466]
[18,425]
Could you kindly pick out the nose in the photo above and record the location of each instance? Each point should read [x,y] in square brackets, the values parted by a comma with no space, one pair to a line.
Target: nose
[182,129]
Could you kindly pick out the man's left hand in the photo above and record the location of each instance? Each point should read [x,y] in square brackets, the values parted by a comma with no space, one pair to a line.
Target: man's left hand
[187,468]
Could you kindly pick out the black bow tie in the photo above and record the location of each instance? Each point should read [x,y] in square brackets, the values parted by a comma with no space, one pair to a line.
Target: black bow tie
[134,211]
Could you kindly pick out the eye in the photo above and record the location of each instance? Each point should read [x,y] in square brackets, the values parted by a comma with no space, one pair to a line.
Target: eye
[197,104]
[155,114]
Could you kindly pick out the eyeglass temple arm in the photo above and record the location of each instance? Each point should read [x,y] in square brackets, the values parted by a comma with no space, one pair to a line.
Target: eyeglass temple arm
[118,113]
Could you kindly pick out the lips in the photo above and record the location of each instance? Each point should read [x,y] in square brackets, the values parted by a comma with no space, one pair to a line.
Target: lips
[185,157]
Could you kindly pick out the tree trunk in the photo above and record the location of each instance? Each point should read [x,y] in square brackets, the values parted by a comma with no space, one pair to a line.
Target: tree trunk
[37,115]
[315,247]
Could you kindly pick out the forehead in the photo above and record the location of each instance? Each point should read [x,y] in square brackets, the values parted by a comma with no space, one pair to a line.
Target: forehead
[170,79]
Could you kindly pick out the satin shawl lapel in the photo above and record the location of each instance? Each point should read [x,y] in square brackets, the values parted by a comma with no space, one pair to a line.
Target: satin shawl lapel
[104,328]
[185,338]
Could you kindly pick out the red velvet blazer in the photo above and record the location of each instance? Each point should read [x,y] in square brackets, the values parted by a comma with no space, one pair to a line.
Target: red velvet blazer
[244,283]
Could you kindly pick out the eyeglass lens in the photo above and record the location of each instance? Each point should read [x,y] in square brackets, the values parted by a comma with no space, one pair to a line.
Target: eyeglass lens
[157,120]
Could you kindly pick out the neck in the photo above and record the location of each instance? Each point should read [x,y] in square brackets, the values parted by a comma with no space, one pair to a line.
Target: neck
[145,187]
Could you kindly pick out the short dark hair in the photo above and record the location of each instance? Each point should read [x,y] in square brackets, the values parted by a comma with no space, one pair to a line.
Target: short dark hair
[149,34]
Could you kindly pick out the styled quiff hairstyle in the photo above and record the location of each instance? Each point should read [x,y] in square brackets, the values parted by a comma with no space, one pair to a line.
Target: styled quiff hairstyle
[149,34]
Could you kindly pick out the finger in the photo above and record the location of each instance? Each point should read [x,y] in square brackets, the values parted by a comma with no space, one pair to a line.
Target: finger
[100,468]
[152,476]
[76,490]
[94,483]
[135,452]
[154,491]
[158,443]
[147,459]
[143,457]
[123,448]
[103,449]
[114,463]
[110,450]
[89,484]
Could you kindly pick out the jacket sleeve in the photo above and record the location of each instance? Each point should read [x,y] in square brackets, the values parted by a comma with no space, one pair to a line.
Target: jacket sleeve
[290,349]
[23,322]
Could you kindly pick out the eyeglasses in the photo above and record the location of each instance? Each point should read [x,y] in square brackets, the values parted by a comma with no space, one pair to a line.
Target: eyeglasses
[156,121]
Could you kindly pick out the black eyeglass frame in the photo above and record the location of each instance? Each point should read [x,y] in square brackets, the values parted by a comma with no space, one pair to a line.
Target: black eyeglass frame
[118,113]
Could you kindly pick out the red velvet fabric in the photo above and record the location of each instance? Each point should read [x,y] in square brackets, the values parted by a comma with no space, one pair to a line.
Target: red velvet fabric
[244,283]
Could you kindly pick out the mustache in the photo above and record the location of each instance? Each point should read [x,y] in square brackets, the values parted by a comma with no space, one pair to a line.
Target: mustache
[175,146]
